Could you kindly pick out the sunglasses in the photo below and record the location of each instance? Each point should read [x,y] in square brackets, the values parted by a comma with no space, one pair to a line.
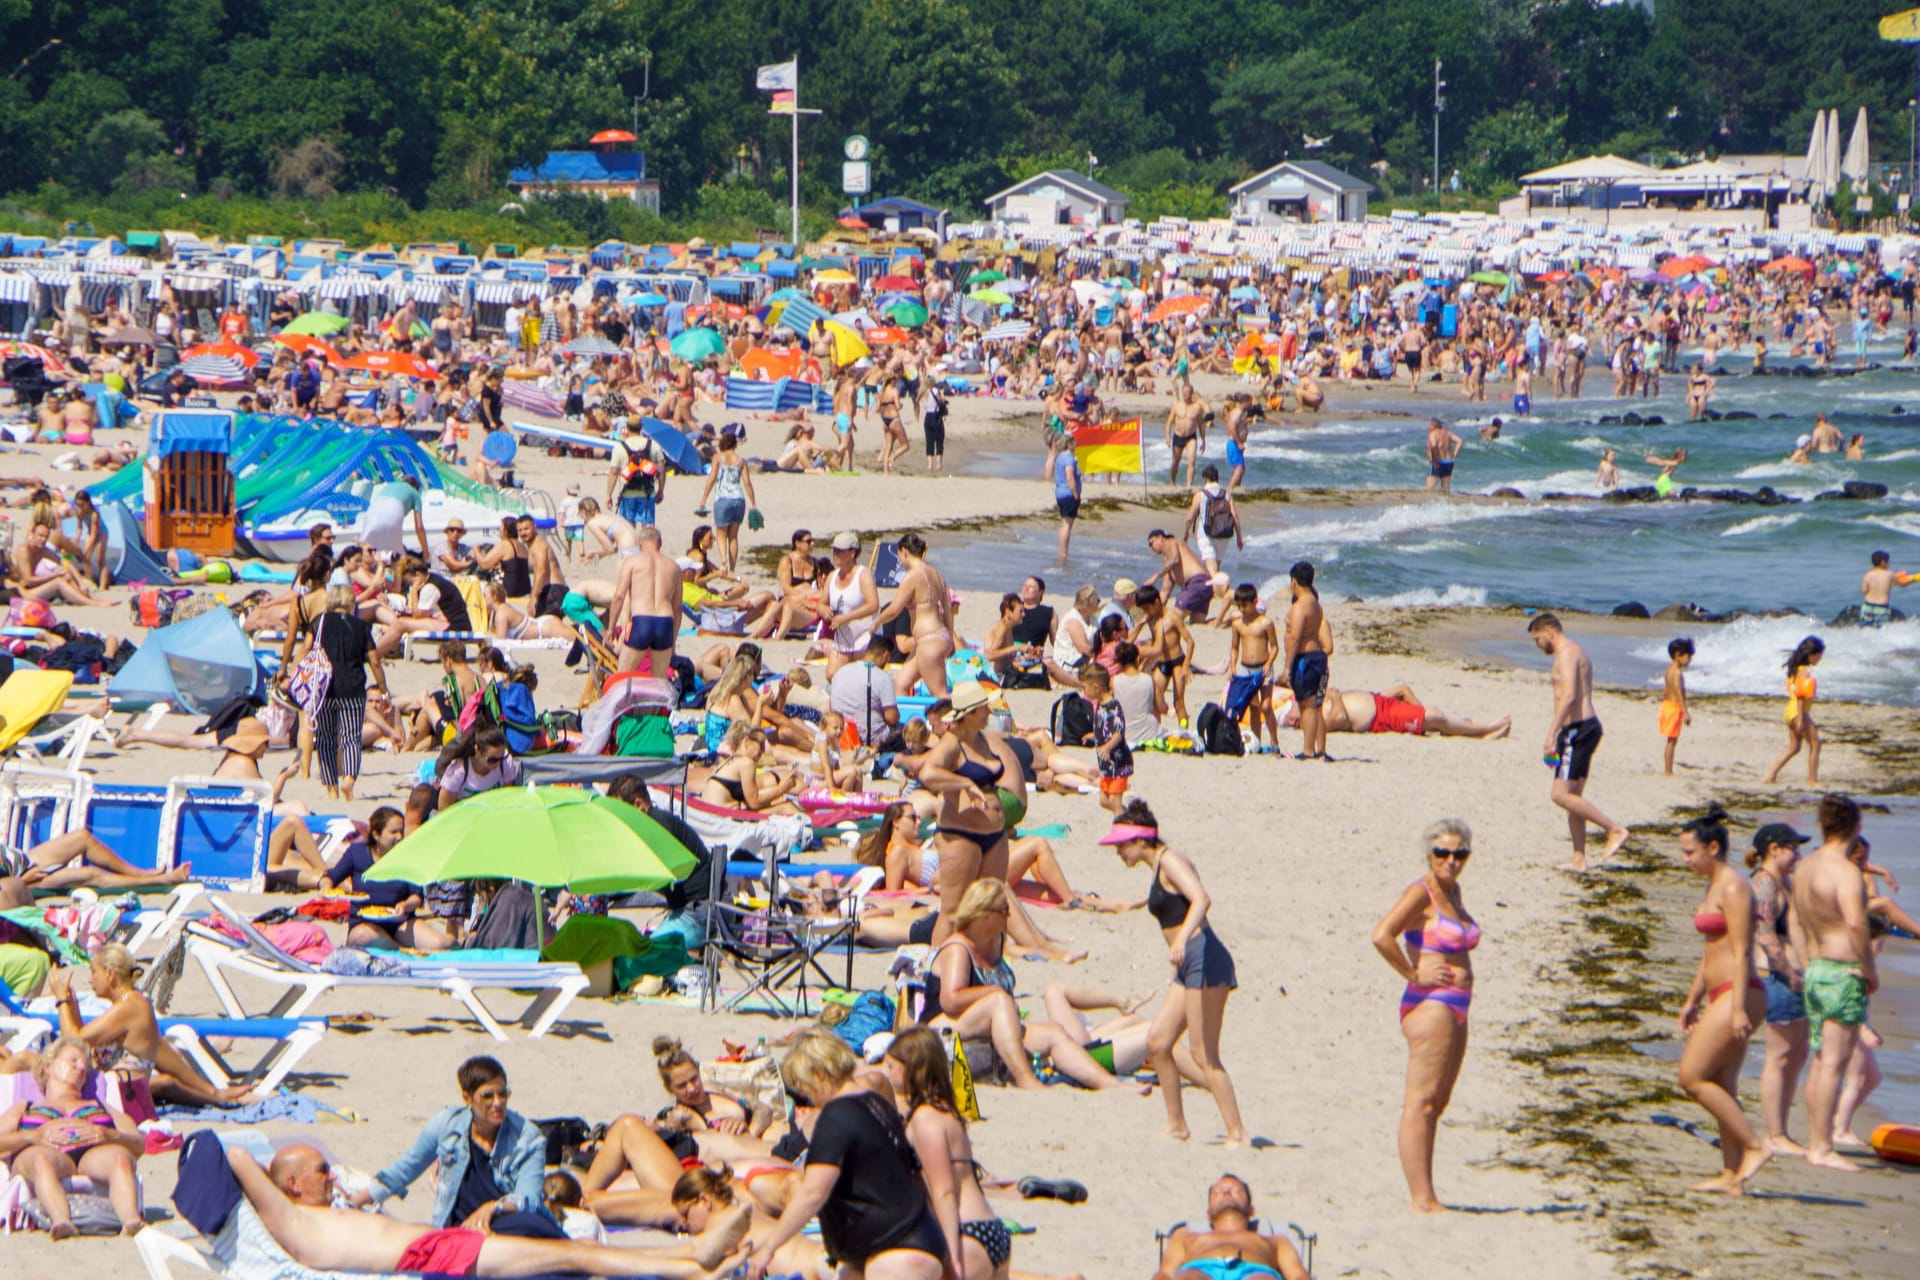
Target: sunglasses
[1458,855]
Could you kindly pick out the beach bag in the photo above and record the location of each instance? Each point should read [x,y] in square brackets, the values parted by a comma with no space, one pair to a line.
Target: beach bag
[1071,721]
[312,676]
[1218,519]
[754,1081]
[1219,735]
[151,607]
[92,1215]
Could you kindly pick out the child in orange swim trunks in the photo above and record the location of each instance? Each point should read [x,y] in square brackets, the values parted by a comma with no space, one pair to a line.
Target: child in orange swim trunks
[1673,697]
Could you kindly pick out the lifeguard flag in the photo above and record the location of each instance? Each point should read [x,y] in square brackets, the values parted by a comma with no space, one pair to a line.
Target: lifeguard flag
[782,103]
[781,75]
[1108,447]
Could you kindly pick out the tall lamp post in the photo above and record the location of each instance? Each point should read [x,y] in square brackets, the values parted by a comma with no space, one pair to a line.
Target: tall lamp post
[1439,105]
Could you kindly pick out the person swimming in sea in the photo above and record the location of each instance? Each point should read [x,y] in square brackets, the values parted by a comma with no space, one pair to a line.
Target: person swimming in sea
[1663,483]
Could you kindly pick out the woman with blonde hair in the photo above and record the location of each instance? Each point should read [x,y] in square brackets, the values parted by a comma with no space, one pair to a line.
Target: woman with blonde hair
[127,1035]
[862,1177]
[72,1134]
[1431,919]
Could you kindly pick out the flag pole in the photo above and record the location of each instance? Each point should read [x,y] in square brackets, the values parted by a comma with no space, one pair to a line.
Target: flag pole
[793,169]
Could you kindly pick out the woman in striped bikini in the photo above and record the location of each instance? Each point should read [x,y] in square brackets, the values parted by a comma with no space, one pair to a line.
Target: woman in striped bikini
[1431,920]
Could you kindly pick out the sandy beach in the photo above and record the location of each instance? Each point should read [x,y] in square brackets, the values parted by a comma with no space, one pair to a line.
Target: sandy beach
[1547,1148]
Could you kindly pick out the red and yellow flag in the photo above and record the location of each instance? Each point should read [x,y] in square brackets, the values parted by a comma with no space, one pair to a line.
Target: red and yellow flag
[1108,447]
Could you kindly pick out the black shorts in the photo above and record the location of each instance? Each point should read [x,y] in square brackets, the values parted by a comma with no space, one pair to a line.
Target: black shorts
[1307,677]
[920,932]
[1069,508]
[1576,744]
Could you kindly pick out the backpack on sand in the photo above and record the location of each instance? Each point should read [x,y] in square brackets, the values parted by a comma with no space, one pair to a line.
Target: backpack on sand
[1218,734]
[1071,721]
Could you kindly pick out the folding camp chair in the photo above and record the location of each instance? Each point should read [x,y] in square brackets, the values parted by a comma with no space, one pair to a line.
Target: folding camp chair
[1307,1239]
[554,985]
[773,950]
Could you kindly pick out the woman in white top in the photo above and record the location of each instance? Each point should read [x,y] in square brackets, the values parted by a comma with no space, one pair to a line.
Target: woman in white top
[853,600]
[1073,638]
[731,489]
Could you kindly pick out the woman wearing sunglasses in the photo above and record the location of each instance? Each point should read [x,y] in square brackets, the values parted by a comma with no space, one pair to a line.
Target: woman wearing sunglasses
[1428,938]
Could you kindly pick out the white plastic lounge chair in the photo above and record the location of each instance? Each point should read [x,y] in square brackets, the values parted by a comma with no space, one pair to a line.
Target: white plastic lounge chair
[170,1258]
[221,959]
[414,638]
[291,1039]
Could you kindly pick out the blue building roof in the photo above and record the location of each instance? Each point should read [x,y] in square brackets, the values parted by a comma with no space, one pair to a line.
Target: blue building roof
[585,167]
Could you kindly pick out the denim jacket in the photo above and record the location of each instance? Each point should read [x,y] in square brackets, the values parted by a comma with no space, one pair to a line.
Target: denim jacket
[519,1163]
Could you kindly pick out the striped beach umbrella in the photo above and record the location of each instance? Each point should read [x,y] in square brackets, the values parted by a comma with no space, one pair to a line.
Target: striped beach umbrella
[213,369]
[591,344]
[1009,331]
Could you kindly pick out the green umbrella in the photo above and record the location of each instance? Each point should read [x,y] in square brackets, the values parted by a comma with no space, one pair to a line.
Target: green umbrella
[1496,278]
[993,296]
[986,277]
[318,324]
[697,344]
[908,315]
[545,836]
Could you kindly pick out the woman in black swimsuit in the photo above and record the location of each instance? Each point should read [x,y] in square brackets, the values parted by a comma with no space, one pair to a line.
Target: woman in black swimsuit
[736,783]
[800,596]
[968,771]
[510,559]
[1203,972]
[862,1177]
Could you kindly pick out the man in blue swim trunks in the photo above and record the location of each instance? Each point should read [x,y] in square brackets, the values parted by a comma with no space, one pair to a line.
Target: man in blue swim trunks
[1307,645]
[1443,446]
[648,598]
[1232,1247]
[1239,425]
[845,393]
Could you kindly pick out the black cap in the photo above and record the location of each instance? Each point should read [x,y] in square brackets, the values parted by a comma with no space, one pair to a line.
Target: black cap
[1777,833]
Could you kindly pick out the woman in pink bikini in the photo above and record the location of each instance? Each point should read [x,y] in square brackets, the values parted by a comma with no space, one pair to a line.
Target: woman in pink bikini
[1427,937]
[1726,1003]
[74,1134]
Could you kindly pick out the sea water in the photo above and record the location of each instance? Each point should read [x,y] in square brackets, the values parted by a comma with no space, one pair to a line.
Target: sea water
[1389,547]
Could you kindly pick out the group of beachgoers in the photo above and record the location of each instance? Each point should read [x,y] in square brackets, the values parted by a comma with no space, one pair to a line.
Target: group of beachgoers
[873,1141]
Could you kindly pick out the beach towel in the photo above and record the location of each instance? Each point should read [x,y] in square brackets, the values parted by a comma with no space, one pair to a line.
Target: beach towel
[295,1107]
[302,940]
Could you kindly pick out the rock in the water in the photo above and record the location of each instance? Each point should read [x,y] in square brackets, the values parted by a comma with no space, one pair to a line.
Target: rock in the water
[1686,613]
[1735,415]
[1508,491]
[1631,609]
[1850,616]
[1633,493]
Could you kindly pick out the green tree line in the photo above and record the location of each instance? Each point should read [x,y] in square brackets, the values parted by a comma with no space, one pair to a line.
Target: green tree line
[427,104]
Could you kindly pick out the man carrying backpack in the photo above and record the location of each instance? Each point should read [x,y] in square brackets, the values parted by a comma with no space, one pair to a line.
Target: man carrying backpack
[637,480]
[1211,520]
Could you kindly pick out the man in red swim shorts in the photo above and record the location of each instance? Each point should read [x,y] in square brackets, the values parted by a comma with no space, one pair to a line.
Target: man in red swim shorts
[1397,710]
[292,1199]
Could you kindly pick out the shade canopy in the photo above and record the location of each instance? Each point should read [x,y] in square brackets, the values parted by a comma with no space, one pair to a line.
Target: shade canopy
[552,837]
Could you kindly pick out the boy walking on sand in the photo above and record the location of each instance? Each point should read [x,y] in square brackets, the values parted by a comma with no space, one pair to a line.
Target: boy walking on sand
[1673,697]
[1250,655]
